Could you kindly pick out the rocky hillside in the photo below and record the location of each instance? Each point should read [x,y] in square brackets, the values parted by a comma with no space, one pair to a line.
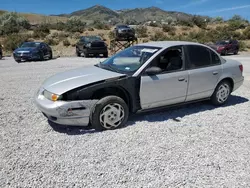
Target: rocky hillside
[139,15]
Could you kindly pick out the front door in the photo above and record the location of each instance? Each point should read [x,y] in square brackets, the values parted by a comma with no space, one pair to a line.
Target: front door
[168,86]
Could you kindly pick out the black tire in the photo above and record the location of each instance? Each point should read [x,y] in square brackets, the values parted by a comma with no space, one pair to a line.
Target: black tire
[41,56]
[78,54]
[236,52]
[105,55]
[1,56]
[216,99]
[86,54]
[50,55]
[18,61]
[101,105]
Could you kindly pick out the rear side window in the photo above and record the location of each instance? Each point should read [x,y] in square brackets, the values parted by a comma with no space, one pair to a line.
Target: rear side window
[215,58]
[198,56]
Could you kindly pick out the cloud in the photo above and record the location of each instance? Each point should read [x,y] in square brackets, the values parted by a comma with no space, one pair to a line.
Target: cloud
[225,9]
[193,3]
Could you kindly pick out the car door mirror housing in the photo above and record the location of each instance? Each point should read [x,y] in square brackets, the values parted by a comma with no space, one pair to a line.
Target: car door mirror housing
[153,70]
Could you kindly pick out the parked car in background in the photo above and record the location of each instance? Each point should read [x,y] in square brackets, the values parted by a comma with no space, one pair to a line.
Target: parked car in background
[124,32]
[91,45]
[225,47]
[139,78]
[30,51]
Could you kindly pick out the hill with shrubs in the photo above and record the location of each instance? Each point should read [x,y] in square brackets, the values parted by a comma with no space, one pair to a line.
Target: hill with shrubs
[63,33]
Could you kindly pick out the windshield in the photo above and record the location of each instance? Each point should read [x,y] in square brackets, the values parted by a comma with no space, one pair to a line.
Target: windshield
[129,60]
[221,42]
[30,45]
[92,38]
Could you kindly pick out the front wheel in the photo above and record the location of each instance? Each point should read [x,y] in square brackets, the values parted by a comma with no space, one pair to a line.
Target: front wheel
[221,93]
[50,55]
[109,113]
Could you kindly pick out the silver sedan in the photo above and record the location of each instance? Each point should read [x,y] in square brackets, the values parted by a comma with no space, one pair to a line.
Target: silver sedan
[142,77]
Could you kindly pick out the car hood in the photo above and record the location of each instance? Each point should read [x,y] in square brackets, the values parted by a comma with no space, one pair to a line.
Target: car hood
[26,49]
[66,81]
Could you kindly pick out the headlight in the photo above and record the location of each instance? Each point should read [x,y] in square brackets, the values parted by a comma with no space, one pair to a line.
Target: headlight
[51,96]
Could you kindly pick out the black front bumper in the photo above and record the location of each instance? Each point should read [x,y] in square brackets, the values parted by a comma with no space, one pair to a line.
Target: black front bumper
[25,57]
[96,50]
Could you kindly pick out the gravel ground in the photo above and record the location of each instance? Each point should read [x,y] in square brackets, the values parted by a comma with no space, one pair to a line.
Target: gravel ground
[190,146]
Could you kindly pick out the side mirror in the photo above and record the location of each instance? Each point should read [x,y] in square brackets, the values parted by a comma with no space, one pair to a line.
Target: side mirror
[153,70]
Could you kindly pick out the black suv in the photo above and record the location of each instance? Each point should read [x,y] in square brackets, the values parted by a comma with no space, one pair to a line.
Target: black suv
[91,45]
[124,32]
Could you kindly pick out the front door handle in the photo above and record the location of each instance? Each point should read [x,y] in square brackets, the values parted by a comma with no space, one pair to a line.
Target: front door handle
[215,73]
[181,79]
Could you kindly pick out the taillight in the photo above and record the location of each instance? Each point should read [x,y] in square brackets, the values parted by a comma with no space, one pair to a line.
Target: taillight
[241,68]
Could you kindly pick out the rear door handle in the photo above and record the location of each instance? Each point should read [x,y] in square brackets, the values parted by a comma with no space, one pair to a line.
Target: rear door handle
[215,73]
[181,79]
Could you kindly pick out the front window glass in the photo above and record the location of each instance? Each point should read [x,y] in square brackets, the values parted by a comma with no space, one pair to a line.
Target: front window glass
[129,60]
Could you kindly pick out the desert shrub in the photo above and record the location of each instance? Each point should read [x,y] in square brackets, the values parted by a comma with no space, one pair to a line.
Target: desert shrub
[41,31]
[243,46]
[100,25]
[141,31]
[168,28]
[12,23]
[12,41]
[76,35]
[111,35]
[66,42]
[199,21]
[172,33]
[158,36]
[60,26]
[246,33]
[153,24]
[74,24]
[218,19]
[187,23]
[50,41]
[91,29]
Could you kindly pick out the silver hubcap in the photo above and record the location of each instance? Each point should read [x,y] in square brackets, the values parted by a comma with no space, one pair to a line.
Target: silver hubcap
[112,115]
[223,93]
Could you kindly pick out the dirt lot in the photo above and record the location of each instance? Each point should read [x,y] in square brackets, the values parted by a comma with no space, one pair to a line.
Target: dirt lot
[190,146]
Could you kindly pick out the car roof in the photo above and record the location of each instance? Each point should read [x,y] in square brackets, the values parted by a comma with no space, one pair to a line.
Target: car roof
[167,44]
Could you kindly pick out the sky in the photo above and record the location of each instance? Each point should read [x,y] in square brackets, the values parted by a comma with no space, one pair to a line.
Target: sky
[223,8]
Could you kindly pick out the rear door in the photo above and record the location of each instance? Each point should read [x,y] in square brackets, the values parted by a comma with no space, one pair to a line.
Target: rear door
[205,69]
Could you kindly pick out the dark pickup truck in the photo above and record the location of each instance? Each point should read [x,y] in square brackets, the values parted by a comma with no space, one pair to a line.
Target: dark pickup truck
[93,45]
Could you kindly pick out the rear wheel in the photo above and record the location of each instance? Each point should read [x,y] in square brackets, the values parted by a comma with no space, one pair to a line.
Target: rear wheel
[1,56]
[86,54]
[41,56]
[50,55]
[105,54]
[221,93]
[78,54]
[236,52]
[109,113]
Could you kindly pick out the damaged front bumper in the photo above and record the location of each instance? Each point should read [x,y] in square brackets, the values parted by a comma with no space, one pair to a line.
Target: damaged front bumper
[72,113]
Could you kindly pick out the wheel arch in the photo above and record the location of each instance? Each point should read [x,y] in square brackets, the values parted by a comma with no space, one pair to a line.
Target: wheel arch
[229,79]
[116,91]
